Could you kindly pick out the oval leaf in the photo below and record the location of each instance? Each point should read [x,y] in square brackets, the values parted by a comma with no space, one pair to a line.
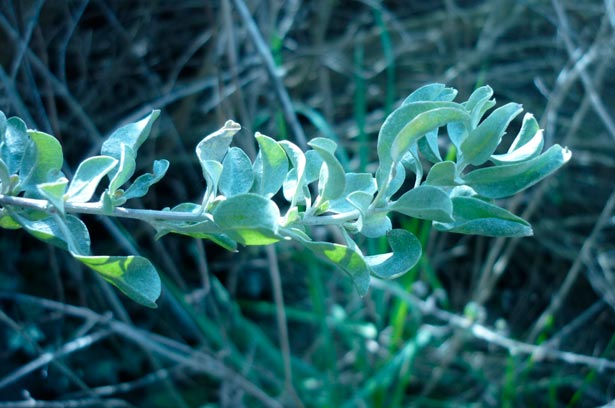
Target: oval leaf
[406,253]
[332,183]
[477,217]
[425,202]
[345,258]
[482,141]
[42,159]
[135,276]
[249,219]
[506,180]
[270,166]
[142,184]
[237,175]
[86,178]
[424,123]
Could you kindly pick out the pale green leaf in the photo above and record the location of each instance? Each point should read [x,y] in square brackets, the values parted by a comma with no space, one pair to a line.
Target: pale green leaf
[424,123]
[212,170]
[333,181]
[477,217]
[68,233]
[87,177]
[5,177]
[270,166]
[482,141]
[527,145]
[345,258]
[375,224]
[399,176]
[13,143]
[132,135]
[428,146]
[442,174]
[479,102]
[395,124]
[41,161]
[364,182]
[313,166]
[406,253]
[506,180]
[431,92]
[297,158]
[141,185]
[425,202]
[54,192]
[124,171]
[214,146]
[237,174]
[249,219]
[134,276]
[2,126]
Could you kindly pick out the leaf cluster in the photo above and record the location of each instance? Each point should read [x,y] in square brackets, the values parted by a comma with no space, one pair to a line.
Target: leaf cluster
[241,201]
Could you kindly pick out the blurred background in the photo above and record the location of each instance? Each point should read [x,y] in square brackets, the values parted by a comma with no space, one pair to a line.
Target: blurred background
[479,322]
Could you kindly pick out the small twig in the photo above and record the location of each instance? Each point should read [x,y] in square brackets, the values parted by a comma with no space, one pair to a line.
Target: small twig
[276,283]
[168,348]
[46,358]
[575,269]
[272,71]
[484,333]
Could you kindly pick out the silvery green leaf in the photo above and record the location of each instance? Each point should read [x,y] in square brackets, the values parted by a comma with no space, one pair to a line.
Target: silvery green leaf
[394,126]
[54,192]
[334,180]
[141,185]
[49,230]
[399,176]
[2,126]
[506,180]
[205,229]
[370,224]
[428,146]
[5,177]
[212,170]
[297,158]
[477,217]
[134,276]
[527,145]
[211,151]
[214,146]
[237,174]
[249,219]
[442,174]
[124,170]
[313,166]
[13,142]
[406,253]
[425,202]
[133,135]
[349,260]
[431,92]
[457,132]
[478,103]
[364,182]
[42,160]
[270,166]
[483,140]
[375,224]
[87,177]
[424,123]
[290,190]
